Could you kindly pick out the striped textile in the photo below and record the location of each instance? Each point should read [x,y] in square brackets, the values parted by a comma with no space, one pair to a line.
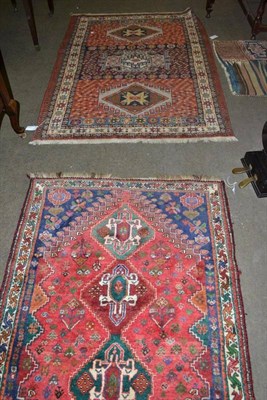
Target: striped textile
[245,65]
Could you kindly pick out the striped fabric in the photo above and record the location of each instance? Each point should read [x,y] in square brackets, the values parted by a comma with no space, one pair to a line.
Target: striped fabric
[245,65]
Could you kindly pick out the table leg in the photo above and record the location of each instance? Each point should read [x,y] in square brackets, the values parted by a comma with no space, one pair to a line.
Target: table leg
[31,22]
[258,19]
[51,6]
[209,7]
[9,105]
[14,4]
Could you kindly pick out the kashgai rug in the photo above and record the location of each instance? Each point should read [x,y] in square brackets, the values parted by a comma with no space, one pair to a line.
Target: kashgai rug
[245,65]
[123,290]
[134,78]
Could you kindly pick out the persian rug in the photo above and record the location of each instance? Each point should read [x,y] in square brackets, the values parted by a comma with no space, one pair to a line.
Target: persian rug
[134,78]
[123,289]
[245,65]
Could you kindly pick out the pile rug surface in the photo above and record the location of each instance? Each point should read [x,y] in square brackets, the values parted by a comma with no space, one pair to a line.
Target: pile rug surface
[245,65]
[131,78]
[123,289]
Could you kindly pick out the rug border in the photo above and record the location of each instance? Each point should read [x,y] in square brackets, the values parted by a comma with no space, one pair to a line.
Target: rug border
[233,266]
[42,117]
[52,82]
[241,314]
[217,82]
[14,244]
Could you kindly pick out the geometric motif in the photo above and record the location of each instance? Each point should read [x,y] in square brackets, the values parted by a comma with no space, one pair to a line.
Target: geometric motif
[81,252]
[127,297]
[122,232]
[117,296]
[72,313]
[162,312]
[118,292]
[140,383]
[192,200]
[256,50]
[39,298]
[130,63]
[135,33]
[58,196]
[85,383]
[113,374]
[135,99]
[136,61]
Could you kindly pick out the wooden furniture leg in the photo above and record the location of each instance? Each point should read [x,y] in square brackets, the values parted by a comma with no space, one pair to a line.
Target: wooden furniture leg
[257,25]
[30,18]
[209,7]
[51,6]
[8,105]
[31,22]
[14,3]
[255,21]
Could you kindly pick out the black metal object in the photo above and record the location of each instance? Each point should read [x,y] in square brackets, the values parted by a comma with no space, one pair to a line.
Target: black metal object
[255,163]
[209,7]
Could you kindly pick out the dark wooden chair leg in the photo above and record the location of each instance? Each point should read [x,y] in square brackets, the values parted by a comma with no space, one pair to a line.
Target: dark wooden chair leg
[12,111]
[30,18]
[209,7]
[14,4]
[51,6]
[31,21]
[8,104]
[256,27]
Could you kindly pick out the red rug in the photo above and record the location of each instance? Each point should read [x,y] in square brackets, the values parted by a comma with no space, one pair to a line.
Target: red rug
[123,289]
[134,78]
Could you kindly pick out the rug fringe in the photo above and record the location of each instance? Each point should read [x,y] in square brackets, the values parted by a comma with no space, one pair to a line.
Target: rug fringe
[93,175]
[186,10]
[55,175]
[129,141]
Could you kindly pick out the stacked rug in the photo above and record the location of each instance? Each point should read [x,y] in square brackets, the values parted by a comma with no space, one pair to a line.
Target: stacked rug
[245,65]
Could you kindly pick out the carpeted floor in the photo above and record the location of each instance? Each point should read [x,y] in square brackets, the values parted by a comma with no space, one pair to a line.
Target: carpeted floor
[29,72]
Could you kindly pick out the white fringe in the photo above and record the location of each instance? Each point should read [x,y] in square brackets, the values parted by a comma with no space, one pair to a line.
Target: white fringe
[129,141]
[187,10]
[86,175]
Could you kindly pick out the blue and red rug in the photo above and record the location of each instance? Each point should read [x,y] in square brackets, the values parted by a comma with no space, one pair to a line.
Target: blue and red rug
[134,78]
[123,289]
